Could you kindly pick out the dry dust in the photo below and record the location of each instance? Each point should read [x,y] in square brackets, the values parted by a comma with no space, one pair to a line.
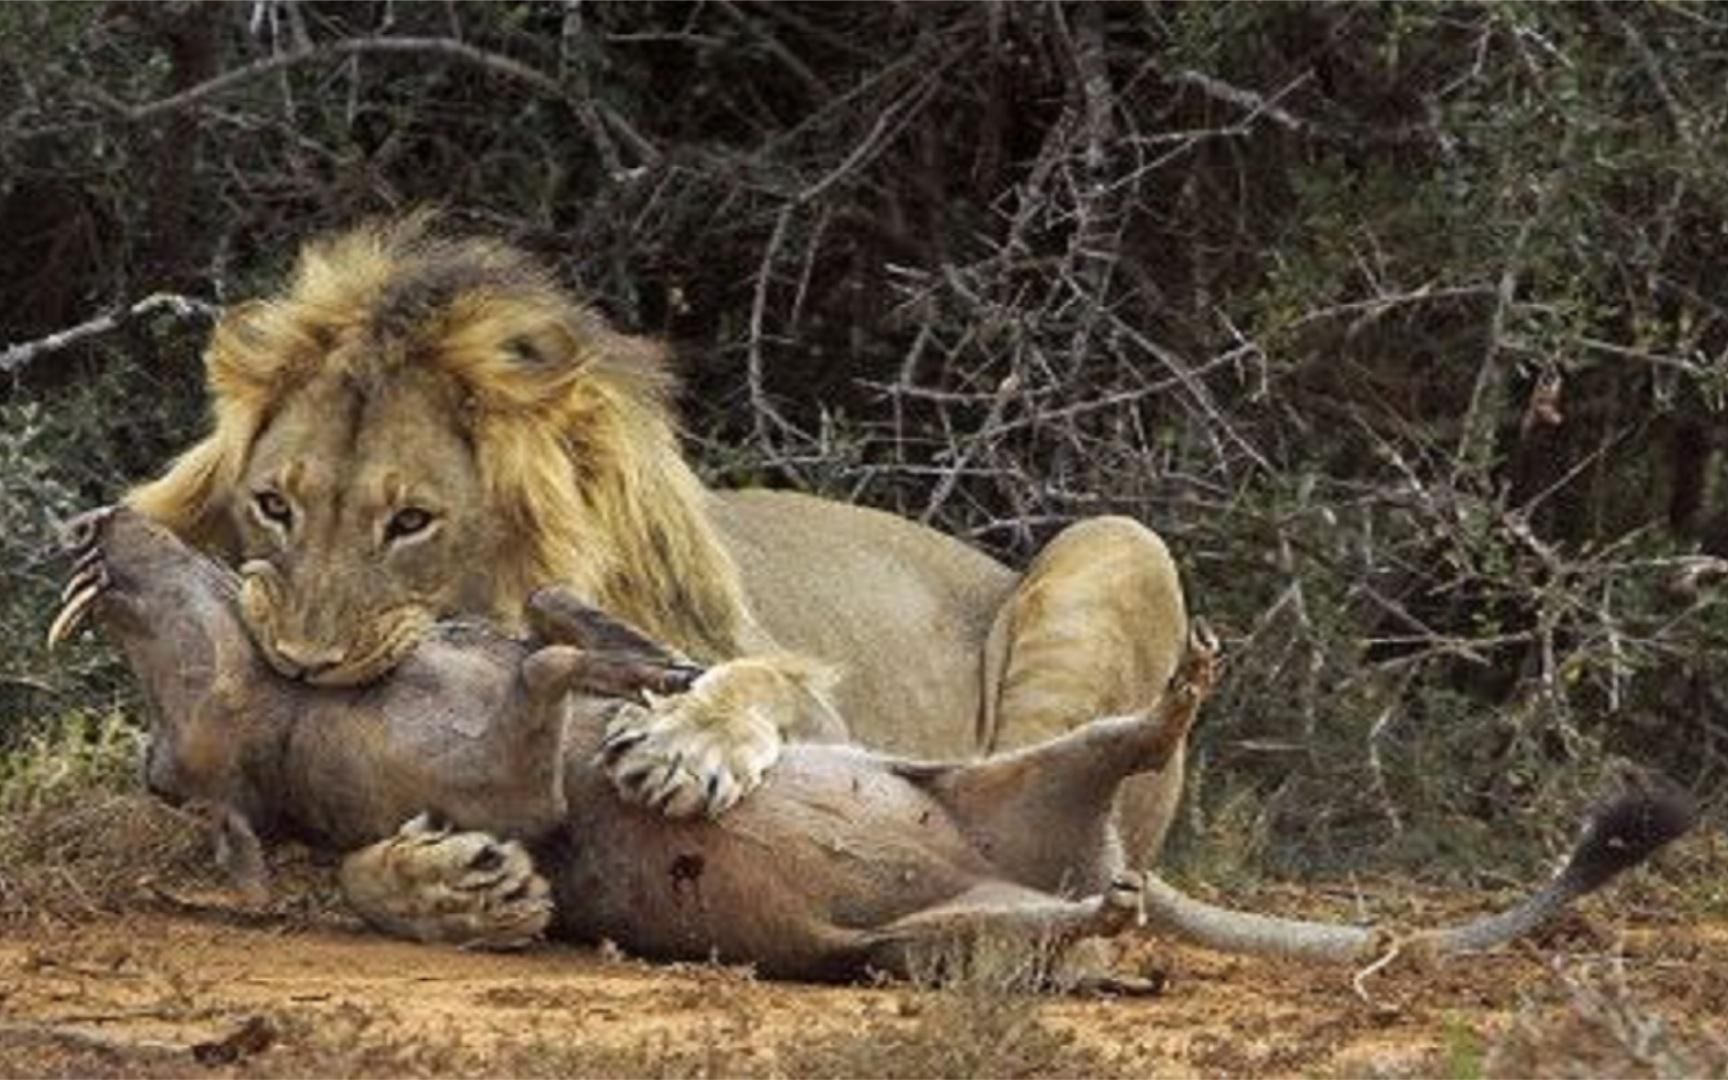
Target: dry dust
[164,990]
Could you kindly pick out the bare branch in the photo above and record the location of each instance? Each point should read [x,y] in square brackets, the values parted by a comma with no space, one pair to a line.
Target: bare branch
[945,487]
[1257,104]
[761,405]
[455,50]
[184,307]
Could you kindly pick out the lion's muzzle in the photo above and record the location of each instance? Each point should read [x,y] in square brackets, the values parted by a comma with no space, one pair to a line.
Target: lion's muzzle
[354,651]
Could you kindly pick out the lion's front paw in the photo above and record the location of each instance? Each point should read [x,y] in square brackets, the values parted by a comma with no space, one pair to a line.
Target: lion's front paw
[698,753]
[432,883]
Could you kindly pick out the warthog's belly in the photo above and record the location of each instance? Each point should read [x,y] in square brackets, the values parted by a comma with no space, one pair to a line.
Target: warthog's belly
[832,843]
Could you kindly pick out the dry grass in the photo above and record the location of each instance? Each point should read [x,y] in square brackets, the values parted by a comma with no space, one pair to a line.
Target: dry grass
[79,840]
[957,1032]
[77,834]
[1604,1028]
[963,1029]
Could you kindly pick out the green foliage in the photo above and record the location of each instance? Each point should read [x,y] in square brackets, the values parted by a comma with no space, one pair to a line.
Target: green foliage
[1401,322]
[79,755]
[61,453]
[76,832]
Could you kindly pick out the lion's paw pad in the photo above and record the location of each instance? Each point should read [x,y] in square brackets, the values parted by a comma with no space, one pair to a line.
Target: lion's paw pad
[677,759]
[432,883]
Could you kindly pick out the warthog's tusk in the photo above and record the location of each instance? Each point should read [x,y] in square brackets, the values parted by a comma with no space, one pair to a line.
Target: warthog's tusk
[87,570]
[73,611]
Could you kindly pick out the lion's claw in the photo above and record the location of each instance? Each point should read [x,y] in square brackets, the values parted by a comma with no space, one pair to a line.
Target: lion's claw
[431,882]
[680,760]
[618,744]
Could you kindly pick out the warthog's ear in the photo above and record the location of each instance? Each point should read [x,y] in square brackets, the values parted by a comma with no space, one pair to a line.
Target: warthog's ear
[556,670]
[557,615]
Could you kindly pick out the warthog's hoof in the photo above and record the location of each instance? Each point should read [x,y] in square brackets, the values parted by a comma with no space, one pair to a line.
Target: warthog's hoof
[432,883]
[1197,673]
[1123,905]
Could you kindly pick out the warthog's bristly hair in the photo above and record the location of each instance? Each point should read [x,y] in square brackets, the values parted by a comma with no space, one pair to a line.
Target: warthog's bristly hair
[1626,830]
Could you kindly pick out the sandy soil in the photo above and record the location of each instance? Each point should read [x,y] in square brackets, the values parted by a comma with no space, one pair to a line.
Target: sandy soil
[174,991]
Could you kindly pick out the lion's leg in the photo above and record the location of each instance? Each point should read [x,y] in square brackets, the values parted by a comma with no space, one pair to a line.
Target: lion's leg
[431,883]
[1000,931]
[1095,628]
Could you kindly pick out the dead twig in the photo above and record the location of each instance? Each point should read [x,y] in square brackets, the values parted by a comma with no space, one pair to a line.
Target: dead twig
[986,431]
[1257,104]
[762,409]
[184,307]
[89,1040]
[504,66]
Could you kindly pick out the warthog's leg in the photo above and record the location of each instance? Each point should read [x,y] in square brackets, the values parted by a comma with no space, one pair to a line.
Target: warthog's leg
[239,853]
[1042,812]
[432,883]
[703,738]
[558,616]
[1001,931]
[1095,628]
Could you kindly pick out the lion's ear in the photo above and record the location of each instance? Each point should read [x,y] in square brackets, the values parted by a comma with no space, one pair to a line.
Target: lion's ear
[571,366]
[589,344]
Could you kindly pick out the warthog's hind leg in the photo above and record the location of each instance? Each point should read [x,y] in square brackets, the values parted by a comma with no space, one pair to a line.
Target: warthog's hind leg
[432,883]
[1094,628]
[1008,935]
[1043,811]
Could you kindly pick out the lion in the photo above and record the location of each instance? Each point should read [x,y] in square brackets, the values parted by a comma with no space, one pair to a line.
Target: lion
[422,424]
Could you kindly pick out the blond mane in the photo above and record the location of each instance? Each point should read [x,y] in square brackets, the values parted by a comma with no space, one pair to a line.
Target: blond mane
[569,420]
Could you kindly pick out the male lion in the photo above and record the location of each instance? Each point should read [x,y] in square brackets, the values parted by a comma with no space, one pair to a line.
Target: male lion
[421,425]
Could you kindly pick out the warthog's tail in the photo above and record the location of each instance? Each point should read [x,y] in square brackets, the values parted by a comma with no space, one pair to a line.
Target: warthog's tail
[1619,835]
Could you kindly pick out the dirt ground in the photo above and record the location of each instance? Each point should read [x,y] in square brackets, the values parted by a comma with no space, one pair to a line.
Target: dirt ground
[169,989]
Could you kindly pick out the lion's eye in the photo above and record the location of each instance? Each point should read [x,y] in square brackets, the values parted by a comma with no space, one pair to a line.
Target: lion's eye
[407,522]
[525,350]
[275,508]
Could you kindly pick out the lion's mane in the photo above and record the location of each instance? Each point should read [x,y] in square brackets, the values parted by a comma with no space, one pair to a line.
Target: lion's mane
[569,420]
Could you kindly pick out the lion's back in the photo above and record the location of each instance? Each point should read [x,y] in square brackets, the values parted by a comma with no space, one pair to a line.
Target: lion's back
[903,609]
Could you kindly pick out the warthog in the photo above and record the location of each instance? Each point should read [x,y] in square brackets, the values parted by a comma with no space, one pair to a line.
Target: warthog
[844,861]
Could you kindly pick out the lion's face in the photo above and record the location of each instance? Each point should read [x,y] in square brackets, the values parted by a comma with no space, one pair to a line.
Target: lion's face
[361,520]
[420,426]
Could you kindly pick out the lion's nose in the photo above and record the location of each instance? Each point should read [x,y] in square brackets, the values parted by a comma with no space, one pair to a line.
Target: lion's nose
[299,660]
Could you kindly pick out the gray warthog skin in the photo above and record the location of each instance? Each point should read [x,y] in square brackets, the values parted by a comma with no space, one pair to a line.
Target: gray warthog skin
[844,860]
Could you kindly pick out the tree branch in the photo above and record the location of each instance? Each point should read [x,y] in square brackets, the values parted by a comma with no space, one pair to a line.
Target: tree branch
[447,47]
[184,307]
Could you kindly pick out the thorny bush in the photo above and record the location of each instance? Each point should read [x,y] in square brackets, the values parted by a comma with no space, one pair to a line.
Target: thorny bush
[1398,322]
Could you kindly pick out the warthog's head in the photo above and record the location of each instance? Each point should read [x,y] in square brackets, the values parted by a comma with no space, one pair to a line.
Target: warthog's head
[471,725]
